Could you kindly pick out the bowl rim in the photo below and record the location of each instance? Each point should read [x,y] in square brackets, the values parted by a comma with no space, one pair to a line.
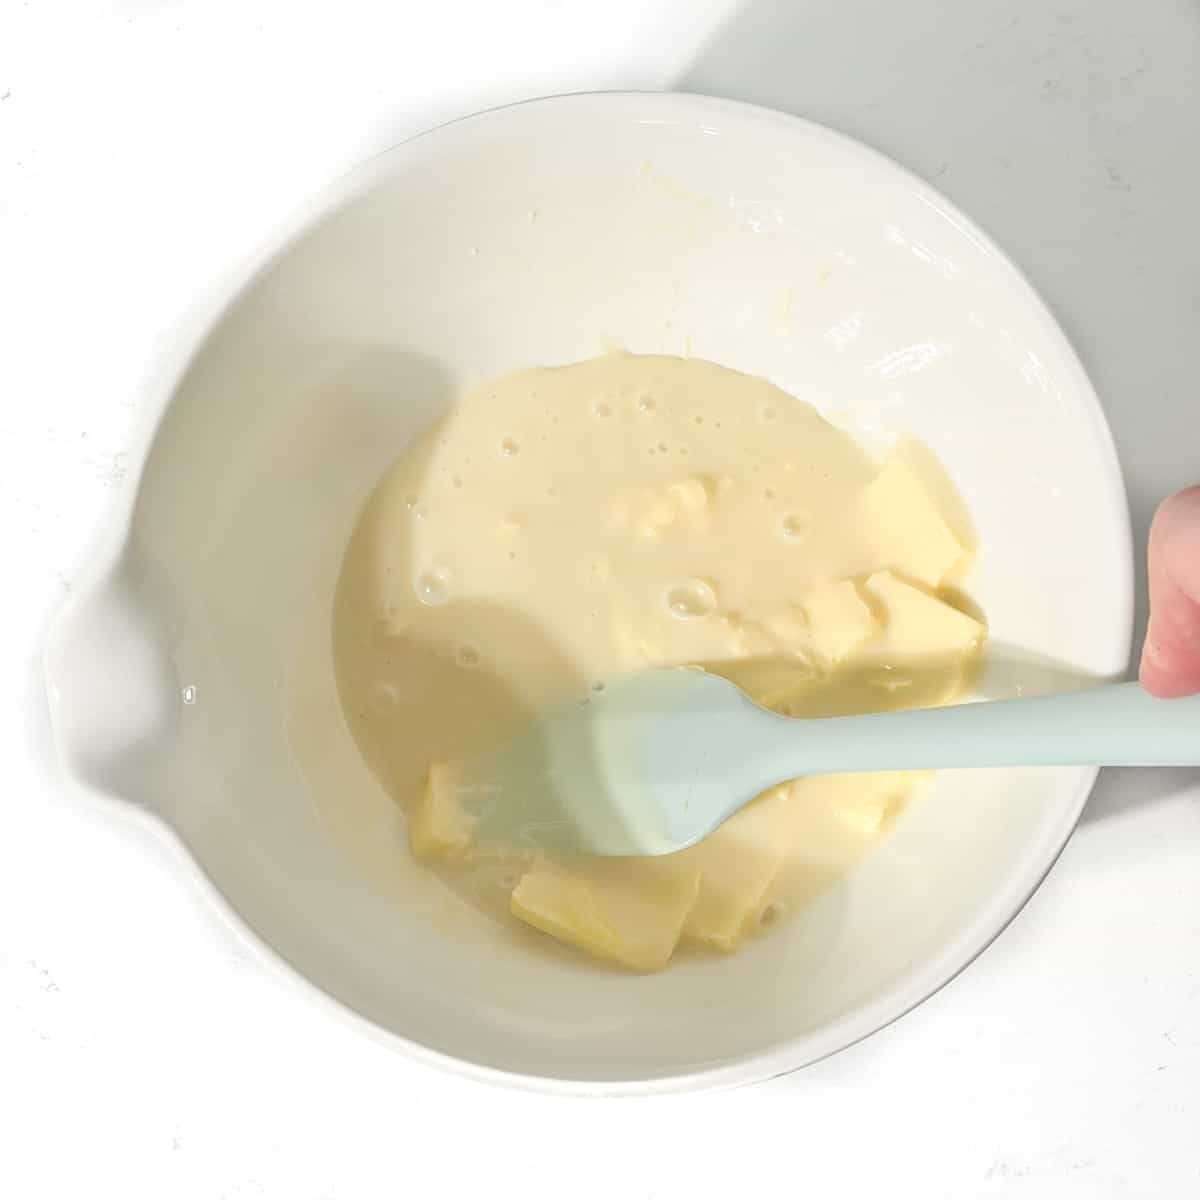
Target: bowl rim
[908,990]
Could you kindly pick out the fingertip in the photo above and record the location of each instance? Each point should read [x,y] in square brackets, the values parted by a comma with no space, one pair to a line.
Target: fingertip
[1170,665]
[1160,672]
[1175,544]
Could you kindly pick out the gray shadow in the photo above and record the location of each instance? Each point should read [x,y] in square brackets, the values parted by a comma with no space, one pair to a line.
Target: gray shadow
[1121,789]
[1062,131]
[318,404]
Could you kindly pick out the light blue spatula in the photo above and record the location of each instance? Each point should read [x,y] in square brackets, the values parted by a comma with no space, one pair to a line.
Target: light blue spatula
[652,763]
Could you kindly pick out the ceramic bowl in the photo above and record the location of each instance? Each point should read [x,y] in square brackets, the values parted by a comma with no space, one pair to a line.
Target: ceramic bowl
[534,235]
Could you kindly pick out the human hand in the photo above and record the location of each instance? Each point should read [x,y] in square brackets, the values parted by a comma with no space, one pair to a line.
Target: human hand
[1171,656]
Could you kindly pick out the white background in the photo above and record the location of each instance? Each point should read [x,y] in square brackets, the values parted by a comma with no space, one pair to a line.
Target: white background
[147,147]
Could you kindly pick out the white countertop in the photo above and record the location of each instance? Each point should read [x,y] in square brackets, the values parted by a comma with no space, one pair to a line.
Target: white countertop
[144,148]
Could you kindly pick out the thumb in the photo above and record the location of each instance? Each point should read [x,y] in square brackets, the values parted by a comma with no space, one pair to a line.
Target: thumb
[1171,655]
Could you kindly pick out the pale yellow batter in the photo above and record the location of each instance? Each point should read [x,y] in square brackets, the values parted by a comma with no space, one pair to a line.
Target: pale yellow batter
[562,526]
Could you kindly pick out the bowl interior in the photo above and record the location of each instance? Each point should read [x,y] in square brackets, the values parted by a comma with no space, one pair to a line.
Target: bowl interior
[536,235]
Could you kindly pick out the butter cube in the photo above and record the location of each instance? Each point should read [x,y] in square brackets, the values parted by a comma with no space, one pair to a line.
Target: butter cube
[917,626]
[627,911]
[437,825]
[867,803]
[689,501]
[769,661]
[838,620]
[903,527]
[693,494]
[771,682]
[800,643]
[737,864]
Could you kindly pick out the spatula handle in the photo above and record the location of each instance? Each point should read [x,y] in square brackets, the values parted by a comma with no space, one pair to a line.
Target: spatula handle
[1113,725]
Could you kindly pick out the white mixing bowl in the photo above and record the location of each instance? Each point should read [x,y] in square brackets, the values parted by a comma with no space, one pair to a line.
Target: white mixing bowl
[535,235]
